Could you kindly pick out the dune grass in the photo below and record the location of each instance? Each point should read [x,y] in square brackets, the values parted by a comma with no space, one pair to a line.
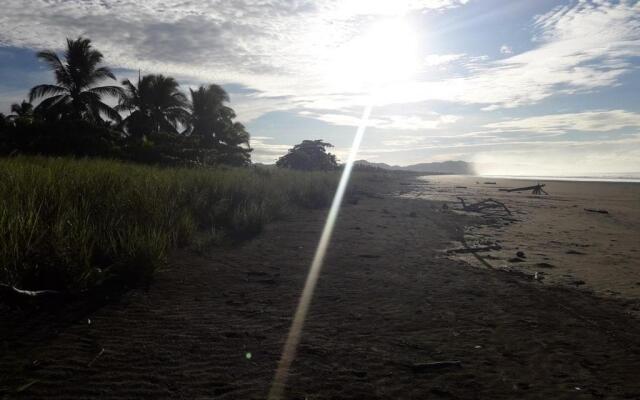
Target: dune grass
[70,224]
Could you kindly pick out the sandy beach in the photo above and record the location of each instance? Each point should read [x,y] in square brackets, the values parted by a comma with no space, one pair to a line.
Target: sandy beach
[562,241]
[390,301]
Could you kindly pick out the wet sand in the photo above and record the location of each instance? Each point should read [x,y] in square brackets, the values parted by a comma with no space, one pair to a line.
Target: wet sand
[562,242]
[389,301]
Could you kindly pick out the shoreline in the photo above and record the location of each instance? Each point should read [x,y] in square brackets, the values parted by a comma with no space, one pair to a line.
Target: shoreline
[562,243]
[561,179]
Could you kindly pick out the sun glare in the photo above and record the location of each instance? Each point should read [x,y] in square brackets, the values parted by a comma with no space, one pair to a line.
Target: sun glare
[384,54]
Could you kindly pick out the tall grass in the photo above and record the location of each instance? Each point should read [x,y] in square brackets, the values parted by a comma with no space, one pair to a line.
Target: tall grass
[69,224]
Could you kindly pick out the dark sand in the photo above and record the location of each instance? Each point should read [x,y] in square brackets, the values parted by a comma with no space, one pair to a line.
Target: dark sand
[387,299]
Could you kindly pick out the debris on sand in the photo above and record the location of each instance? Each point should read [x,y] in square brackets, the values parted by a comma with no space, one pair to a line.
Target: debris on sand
[466,250]
[535,189]
[595,210]
[438,365]
[14,297]
[520,254]
[483,205]
[95,358]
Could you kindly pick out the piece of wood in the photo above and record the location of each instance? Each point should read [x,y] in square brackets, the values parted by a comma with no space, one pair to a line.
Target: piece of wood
[594,210]
[483,205]
[14,297]
[465,250]
[437,365]
[95,358]
[535,189]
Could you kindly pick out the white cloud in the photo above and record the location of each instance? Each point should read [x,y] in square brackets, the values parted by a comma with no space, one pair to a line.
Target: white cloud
[266,152]
[281,48]
[580,48]
[436,60]
[390,122]
[588,121]
[504,49]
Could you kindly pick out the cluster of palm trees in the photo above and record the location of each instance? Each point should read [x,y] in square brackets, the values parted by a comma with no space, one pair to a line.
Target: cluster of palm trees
[153,105]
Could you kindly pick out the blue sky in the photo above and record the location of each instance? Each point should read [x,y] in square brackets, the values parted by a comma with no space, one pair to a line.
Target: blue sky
[542,87]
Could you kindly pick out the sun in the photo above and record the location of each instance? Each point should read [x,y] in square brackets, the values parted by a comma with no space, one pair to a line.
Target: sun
[384,54]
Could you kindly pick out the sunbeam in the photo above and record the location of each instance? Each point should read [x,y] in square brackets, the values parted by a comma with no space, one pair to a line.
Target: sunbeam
[293,338]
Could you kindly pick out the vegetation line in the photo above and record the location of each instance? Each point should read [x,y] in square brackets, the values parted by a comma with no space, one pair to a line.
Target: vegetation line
[70,224]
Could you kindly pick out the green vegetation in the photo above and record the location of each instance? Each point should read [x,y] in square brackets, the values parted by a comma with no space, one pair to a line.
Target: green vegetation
[310,155]
[72,224]
[154,122]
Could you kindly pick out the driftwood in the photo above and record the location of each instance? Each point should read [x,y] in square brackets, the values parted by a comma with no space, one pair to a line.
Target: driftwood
[535,189]
[431,366]
[593,210]
[95,358]
[466,250]
[483,205]
[15,297]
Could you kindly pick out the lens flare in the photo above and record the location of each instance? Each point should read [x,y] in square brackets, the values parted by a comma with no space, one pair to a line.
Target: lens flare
[293,338]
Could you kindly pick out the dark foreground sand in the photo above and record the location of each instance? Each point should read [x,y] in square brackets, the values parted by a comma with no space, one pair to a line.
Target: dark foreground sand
[213,327]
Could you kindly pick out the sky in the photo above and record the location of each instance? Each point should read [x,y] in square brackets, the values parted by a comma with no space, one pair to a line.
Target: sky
[519,87]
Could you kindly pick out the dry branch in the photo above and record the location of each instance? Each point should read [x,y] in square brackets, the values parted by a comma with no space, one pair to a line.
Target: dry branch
[483,205]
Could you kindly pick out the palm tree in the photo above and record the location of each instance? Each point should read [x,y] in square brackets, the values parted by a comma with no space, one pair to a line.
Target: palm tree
[207,110]
[21,113]
[21,110]
[211,119]
[156,105]
[75,93]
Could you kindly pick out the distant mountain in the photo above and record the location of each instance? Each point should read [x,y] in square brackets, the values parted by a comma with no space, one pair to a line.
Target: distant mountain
[445,167]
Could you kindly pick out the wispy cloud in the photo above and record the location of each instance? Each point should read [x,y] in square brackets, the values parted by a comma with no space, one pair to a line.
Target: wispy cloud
[504,49]
[265,151]
[437,60]
[280,48]
[579,48]
[588,121]
[390,122]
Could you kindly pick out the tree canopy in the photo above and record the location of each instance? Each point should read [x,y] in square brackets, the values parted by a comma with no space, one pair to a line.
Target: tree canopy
[153,121]
[310,155]
[75,93]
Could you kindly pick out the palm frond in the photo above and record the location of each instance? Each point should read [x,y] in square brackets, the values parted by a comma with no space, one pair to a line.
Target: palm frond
[53,102]
[107,111]
[114,91]
[45,90]
[51,58]
[103,73]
